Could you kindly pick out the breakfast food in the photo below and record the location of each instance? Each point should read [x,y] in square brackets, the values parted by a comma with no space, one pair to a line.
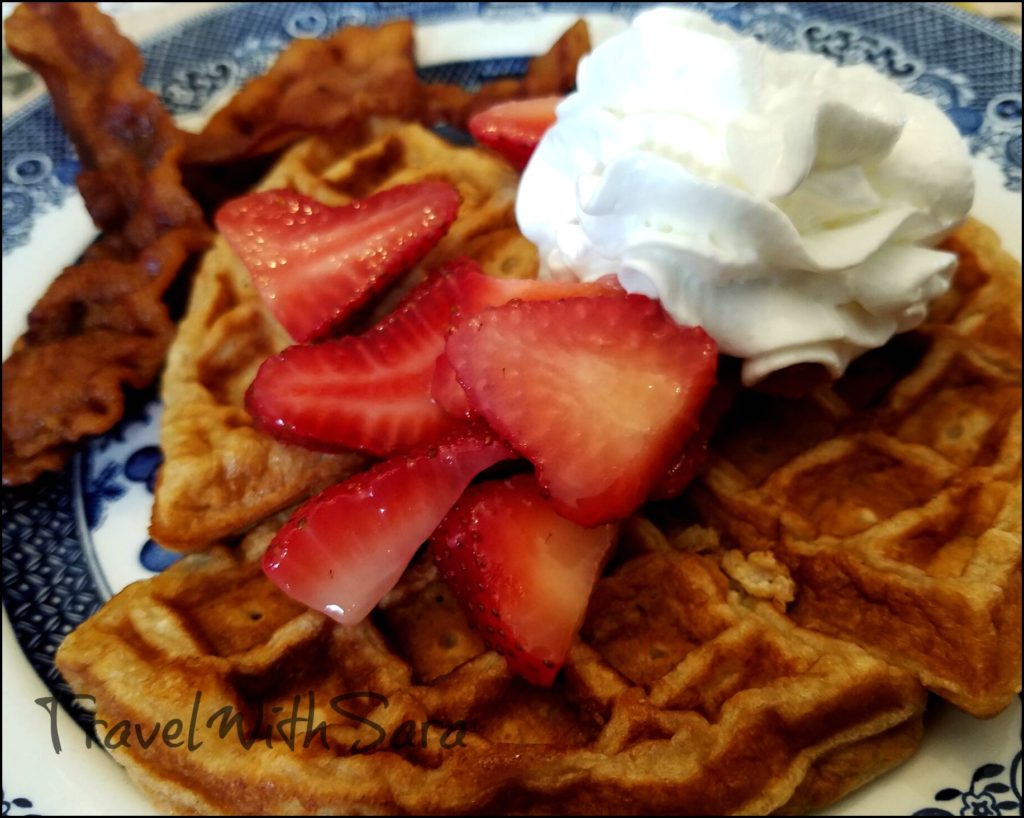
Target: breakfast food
[220,474]
[388,388]
[103,324]
[317,266]
[694,651]
[681,696]
[765,646]
[599,393]
[788,206]
[315,86]
[329,86]
[895,498]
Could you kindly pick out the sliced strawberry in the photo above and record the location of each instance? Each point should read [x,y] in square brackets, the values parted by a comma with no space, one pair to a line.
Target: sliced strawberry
[687,465]
[513,129]
[448,392]
[373,391]
[343,550]
[314,264]
[445,388]
[522,573]
[694,454]
[599,393]
[369,392]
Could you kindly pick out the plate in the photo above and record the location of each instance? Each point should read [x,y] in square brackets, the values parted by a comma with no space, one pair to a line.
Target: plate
[71,540]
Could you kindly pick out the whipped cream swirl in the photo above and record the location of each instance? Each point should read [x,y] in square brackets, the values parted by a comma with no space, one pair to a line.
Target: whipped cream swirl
[786,205]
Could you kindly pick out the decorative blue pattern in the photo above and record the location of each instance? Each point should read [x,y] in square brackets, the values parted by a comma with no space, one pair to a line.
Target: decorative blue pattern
[965,64]
[13,806]
[141,467]
[988,794]
[104,481]
[143,464]
[106,485]
[48,588]
[104,488]
[970,67]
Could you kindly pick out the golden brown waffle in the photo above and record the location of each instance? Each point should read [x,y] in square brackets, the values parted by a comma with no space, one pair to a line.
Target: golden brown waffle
[708,677]
[220,474]
[893,496]
[681,696]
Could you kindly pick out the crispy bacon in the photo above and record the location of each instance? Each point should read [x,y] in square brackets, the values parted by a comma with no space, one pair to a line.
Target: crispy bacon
[316,87]
[102,324]
[330,86]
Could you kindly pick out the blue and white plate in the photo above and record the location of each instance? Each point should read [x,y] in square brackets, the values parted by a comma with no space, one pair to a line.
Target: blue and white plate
[73,539]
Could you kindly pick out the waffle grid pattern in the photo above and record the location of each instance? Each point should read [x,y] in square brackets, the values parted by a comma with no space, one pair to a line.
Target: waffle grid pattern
[894,499]
[684,695]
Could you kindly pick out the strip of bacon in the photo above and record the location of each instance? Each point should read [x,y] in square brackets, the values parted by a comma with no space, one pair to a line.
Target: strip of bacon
[329,88]
[103,323]
[316,87]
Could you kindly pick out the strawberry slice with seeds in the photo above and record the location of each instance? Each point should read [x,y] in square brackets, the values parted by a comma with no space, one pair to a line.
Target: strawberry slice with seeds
[343,550]
[369,392]
[445,388]
[372,392]
[522,573]
[598,393]
[314,265]
[513,129]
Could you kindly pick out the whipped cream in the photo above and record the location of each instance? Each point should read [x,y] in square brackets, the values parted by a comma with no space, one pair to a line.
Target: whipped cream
[786,205]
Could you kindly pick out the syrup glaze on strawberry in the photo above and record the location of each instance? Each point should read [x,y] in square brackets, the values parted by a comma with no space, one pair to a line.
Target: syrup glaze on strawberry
[340,552]
[522,572]
[599,390]
[374,392]
[315,265]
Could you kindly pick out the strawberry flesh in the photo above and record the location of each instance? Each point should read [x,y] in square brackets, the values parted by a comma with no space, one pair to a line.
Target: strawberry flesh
[373,392]
[369,392]
[599,393]
[448,392]
[687,465]
[342,551]
[514,129]
[315,265]
[522,573]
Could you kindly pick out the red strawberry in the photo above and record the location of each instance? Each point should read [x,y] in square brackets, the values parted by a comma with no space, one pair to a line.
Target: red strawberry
[684,469]
[344,549]
[368,392]
[314,264]
[373,391]
[448,392]
[522,573]
[599,393]
[694,454]
[513,129]
[445,388]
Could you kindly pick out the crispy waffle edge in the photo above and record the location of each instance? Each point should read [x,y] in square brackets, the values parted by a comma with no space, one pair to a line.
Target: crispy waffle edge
[683,695]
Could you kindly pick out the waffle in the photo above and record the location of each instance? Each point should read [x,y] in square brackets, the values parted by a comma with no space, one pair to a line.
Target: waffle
[220,474]
[760,645]
[683,695]
[893,496]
